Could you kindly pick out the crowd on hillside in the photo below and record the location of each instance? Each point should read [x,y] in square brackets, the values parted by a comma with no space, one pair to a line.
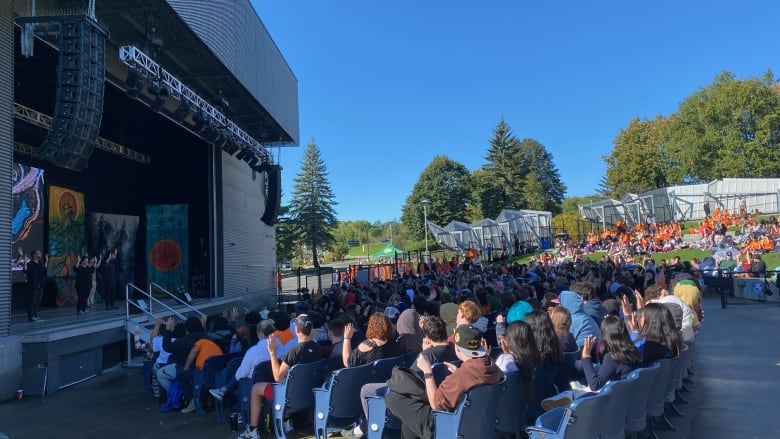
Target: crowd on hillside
[490,320]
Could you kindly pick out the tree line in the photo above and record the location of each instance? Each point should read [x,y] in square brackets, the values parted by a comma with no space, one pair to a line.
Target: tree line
[729,128]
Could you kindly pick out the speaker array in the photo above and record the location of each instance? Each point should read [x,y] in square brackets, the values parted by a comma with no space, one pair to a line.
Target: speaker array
[80,91]
[274,194]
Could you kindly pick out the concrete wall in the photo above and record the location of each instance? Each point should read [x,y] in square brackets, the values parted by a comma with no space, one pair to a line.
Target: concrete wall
[10,366]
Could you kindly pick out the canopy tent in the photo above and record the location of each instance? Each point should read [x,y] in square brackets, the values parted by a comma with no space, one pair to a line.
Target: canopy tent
[389,250]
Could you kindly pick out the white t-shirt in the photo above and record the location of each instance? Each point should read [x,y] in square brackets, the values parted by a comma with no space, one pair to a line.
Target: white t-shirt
[687,321]
[254,356]
[506,362]
[157,344]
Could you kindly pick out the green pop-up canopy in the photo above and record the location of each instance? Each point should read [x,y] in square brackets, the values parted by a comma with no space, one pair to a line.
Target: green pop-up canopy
[389,250]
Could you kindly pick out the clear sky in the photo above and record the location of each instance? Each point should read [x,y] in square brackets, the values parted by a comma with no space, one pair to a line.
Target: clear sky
[385,86]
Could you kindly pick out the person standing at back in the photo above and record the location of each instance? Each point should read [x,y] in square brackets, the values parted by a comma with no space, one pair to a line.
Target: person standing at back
[36,278]
[109,276]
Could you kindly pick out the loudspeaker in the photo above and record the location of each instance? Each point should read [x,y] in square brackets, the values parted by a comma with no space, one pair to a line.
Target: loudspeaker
[273,196]
[81,75]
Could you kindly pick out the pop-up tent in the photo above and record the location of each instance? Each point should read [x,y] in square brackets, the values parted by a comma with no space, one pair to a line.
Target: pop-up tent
[388,251]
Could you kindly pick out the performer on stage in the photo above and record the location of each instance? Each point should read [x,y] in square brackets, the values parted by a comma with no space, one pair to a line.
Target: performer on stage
[110,274]
[83,282]
[36,278]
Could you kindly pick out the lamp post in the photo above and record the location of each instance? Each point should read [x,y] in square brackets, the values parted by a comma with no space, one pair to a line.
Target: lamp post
[425,202]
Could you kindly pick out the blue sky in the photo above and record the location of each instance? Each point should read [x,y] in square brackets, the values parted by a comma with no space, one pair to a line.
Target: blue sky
[385,86]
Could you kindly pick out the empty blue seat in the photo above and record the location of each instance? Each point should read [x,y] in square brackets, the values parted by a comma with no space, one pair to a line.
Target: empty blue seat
[512,407]
[581,420]
[204,378]
[294,394]
[636,416]
[471,417]
[337,403]
[671,385]
[614,421]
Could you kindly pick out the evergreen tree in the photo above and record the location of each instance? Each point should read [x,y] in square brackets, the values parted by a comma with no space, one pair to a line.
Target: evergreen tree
[311,209]
[504,173]
[537,161]
[285,235]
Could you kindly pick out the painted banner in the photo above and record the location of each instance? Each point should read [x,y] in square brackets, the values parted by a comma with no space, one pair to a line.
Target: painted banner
[167,246]
[66,240]
[106,231]
[27,222]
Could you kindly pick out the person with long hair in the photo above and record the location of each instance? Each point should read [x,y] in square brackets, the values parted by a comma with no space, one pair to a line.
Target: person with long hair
[619,356]
[518,350]
[561,320]
[658,334]
[550,350]
[379,343]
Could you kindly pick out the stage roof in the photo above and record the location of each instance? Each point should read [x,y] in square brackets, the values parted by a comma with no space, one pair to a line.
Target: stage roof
[219,48]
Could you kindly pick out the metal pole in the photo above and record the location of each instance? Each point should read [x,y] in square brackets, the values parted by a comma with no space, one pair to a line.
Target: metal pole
[425,203]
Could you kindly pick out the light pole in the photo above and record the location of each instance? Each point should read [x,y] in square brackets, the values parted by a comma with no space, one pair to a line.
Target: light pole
[425,202]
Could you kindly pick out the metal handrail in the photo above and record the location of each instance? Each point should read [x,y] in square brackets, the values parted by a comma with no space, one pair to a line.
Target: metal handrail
[130,287]
[160,288]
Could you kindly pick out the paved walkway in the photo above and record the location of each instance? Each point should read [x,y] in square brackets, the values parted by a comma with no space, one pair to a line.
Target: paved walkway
[735,394]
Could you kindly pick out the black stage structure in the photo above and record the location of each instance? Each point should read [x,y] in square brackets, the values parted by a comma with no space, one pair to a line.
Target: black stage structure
[189,119]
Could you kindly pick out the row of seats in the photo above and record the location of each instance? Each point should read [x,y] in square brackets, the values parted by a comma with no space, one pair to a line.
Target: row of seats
[325,386]
[637,405]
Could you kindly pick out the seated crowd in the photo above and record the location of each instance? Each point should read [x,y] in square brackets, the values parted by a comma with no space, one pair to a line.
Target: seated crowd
[481,321]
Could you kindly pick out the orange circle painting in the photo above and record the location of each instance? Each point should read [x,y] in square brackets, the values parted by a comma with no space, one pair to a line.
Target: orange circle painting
[165,255]
[68,206]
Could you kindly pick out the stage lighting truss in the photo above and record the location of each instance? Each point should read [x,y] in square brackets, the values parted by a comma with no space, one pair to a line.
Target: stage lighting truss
[134,58]
[44,121]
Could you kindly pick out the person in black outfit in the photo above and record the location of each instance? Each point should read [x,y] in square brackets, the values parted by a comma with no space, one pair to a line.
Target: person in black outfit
[83,283]
[109,275]
[36,278]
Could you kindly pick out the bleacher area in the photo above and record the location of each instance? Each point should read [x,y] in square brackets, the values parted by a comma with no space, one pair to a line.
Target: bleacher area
[733,396]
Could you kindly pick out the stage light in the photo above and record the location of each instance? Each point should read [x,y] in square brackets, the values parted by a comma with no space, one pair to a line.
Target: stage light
[182,112]
[252,161]
[200,118]
[231,146]
[133,82]
[243,153]
[159,90]
[158,104]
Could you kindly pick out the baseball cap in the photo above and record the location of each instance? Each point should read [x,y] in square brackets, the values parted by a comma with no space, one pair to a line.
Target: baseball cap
[468,340]
[392,312]
[728,253]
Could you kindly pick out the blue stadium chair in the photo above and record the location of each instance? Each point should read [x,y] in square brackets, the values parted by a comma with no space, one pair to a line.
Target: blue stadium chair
[614,423]
[581,420]
[337,403]
[469,419]
[544,387]
[294,394]
[671,385]
[383,368]
[204,379]
[334,363]
[565,372]
[410,358]
[220,379]
[657,398]
[636,416]
[379,418]
[261,374]
[512,407]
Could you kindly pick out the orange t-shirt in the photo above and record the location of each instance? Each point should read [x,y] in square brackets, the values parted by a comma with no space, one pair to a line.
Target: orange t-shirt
[207,350]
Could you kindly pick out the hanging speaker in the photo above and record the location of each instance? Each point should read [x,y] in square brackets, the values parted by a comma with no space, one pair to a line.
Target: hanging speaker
[273,196]
[78,110]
